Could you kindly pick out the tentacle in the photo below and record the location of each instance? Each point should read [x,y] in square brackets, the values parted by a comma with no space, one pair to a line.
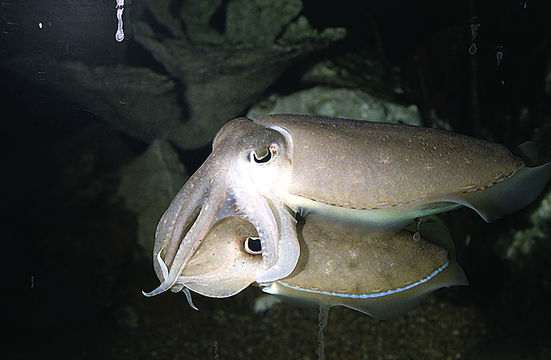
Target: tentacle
[190,243]
[187,211]
[189,299]
[254,207]
[177,217]
[276,229]
[163,269]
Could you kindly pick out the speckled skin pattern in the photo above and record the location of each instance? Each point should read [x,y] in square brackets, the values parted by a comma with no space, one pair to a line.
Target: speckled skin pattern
[386,165]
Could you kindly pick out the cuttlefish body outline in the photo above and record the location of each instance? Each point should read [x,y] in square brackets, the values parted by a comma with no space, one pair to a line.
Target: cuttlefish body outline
[376,175]
[381,274]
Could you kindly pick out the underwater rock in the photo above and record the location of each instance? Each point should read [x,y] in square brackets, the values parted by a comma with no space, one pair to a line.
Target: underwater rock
[367,74]
[148,185]
[220,81]
[161,12]
[197,14]
[136,101]
[259,22]
[361,71]
[341,102]
[204,76]
[525,240]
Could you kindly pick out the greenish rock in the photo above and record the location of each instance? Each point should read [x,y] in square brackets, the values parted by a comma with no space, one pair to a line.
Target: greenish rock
[526,240]
[259,22]
[339,102]
[126,96]
[299,30]
[161,10]
[360,70]
[223,80]
[196,15]
[203,76]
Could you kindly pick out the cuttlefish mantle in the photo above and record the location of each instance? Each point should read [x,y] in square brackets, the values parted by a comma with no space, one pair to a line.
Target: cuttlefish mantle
[378,175]
[384,175]
[379,274]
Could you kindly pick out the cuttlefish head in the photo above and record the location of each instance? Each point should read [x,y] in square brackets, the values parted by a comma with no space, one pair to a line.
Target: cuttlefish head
[248,162]
[228,260]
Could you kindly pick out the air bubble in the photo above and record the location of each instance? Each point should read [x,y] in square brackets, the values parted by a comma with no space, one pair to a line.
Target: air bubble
[499,55]
[119,35]
[473,49]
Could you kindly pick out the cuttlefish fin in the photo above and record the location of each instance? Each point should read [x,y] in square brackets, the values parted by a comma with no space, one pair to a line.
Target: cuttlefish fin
[506,196]
[528,152]
[397,304]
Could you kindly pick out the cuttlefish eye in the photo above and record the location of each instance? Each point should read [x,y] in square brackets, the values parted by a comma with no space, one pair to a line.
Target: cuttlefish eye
[252,245]
[264,156]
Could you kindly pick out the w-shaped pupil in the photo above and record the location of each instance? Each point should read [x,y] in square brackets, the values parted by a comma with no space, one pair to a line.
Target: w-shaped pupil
[253,246]
[264,158]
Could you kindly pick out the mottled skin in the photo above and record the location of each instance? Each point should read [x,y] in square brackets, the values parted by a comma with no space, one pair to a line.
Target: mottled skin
[380,274]
[380,176]
[367,165]
[362,263]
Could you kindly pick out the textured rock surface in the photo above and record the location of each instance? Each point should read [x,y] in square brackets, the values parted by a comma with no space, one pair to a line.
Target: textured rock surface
[262,29]
[357,71]
[345,103]
[220,81]
[195,77]
[526,240]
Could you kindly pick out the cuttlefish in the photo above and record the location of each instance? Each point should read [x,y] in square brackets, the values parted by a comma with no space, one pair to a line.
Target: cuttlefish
[379,175]
[382,274]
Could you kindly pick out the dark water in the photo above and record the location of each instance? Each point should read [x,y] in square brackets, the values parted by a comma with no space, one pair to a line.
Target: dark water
[78,107]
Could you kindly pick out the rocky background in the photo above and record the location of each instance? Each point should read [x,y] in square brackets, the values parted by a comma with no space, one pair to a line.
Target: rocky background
[100,135]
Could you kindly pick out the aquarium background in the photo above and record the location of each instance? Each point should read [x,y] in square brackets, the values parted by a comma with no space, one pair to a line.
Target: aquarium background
[99,135]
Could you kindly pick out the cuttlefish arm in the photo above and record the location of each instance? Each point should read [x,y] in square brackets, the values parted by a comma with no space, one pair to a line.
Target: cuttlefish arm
[219,189]
[384,175]
[185,223]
